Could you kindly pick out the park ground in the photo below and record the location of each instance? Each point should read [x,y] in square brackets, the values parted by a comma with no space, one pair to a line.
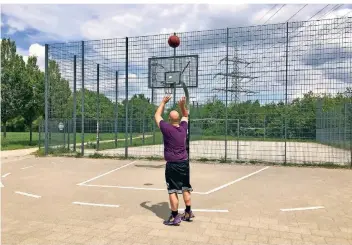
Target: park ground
[62,200]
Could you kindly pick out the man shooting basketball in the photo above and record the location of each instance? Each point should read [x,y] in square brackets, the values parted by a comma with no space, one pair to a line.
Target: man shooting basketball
[177,163]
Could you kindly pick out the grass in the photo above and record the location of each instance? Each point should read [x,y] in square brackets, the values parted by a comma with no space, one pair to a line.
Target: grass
[18,140]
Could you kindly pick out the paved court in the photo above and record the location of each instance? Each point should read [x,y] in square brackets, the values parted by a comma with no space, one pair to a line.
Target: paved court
[268,151]
[57,200]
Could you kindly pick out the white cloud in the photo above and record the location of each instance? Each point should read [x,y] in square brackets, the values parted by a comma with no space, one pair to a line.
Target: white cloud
[34,50]
[97,22]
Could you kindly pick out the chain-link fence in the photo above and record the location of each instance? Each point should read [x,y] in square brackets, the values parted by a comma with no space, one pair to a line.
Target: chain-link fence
[258,95]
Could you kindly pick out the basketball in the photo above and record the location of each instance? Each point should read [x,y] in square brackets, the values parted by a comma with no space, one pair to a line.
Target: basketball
[174,41]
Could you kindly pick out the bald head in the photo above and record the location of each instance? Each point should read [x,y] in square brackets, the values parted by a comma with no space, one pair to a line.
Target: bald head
[174,117]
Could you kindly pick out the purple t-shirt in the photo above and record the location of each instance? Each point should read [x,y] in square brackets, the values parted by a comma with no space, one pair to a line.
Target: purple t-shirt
[174,141]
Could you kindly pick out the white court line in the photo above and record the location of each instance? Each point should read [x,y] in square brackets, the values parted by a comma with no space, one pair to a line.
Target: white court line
[27,194]
[299,209]
[158,189]
[27,167]
[96,204]
[5,175]
[135,188]
[15,160]
[237,180]
[106,173]
[209,210]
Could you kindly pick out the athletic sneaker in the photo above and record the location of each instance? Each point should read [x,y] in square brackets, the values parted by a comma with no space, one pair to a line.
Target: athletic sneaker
[187,216]
[173,220]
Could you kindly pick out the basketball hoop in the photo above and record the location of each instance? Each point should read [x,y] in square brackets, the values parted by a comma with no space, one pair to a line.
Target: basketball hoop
[168,91]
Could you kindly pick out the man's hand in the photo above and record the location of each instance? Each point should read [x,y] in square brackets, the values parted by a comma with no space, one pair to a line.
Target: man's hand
[182,104]
[160,110]
[166,99]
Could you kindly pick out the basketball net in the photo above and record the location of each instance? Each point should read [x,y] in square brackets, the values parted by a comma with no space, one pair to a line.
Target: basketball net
[169,90]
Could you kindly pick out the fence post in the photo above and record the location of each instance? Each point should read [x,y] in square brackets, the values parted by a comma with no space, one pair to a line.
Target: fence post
[98,107]
[126,96]
[226,91]
[116,105]
[286,82]
[153,123]
[74,101]
[68,134]
[238,139]
[82,106]
[350,121]
[131,122]
[39,133]
[46,98]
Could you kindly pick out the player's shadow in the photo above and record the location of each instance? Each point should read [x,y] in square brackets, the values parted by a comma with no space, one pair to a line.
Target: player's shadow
[161,210]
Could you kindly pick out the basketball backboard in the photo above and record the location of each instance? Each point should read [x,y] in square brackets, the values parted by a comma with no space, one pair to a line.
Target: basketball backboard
[168,72]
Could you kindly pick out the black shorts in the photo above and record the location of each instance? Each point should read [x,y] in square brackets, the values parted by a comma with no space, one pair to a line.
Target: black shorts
[177,177]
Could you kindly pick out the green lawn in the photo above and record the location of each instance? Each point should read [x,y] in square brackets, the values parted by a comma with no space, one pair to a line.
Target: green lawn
[20,140]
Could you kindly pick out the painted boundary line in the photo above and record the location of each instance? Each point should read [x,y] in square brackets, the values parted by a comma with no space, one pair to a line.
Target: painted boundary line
[15,160]
[135,188]
[96,204]
[27,167]
[160,189]
[27,194]
[301,209]
[94,178]
[5,175]
[237,180]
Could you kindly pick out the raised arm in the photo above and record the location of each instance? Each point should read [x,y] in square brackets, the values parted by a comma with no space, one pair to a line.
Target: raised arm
[160,110]
[184,111]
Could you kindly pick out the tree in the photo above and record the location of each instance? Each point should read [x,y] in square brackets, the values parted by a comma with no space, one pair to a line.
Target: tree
[59,92]
[15,91]
[35,105]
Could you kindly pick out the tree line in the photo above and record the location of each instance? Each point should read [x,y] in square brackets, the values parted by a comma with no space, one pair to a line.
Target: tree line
[22,105]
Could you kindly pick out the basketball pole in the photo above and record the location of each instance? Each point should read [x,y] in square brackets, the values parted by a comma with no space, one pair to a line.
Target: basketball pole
[185,89]
[174,70]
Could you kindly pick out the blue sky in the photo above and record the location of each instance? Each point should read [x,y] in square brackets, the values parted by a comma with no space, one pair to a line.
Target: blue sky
[31,26]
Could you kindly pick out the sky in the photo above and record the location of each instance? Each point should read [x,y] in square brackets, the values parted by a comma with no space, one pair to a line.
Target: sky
[32,26]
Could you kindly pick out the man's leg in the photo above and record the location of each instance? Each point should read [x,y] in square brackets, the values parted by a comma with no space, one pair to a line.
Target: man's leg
[173,202]
[187,194]
[187,198]
[175,218]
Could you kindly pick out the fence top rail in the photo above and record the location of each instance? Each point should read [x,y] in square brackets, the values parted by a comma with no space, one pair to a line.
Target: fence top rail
[198,31]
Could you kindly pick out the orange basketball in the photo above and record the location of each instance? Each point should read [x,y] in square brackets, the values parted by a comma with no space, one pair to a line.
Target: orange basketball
[174,41]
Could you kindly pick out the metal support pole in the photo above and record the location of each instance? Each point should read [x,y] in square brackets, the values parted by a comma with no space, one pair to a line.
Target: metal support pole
[74,116]
[350,121]
[175,70]
[82,106]
[131,121]
[126,97]
[286,82]
[238,139]
[153,124]
[98,107]
[264,126]
[39,134]
[46,98]
[116,105]
[143,123]
[226,91]
[68,135]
